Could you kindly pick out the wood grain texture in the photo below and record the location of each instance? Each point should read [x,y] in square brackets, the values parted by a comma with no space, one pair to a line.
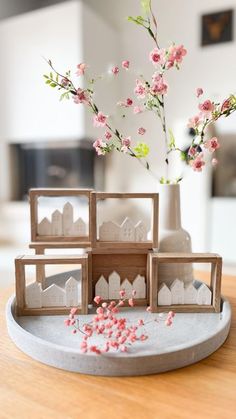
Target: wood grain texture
[205,390]
[215,284]
[41,261]
[150,244]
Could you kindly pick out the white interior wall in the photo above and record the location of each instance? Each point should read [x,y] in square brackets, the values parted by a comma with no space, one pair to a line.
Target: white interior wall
[212,68]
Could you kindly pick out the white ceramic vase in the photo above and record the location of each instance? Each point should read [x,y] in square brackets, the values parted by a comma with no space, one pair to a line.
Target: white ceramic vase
[172,237]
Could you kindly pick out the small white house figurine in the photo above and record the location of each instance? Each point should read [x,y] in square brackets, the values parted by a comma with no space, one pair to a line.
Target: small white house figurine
[53,296]
[101,288]
[33,295]
[114,285]
[45,227]
[164,295]
[139,286]
[190,294]
[57,229]
[62,224]
[109,231]
[177,292]
[72,292]
[204,295]
[127,287]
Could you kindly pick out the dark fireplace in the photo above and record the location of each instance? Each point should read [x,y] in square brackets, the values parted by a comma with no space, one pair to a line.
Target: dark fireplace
[55,164]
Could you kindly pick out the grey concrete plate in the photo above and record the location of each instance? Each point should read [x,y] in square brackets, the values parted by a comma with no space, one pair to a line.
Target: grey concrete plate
[191,338]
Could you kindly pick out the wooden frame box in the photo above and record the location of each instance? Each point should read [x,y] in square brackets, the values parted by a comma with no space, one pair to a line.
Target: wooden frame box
[130,265]
[54,241]
[155,259]
[41,260]
[149,244]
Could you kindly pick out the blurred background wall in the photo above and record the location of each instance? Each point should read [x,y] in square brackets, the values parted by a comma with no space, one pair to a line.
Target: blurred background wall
[35,126]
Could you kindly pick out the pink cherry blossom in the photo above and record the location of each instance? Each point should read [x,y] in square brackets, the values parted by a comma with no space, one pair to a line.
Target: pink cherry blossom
[207,107]
[212,144]
[131,302]
[122,293]
[199,91]
[126,104]
[168,322]
[115,70]
[156,56]
[65,81]
[125,64]
[214,162]
[108,135]
[192,151]
[141,131]
[137,109]
[140,322]
[198,163]
[194,122]
[81,69]
[160,87]
[97,299]
[125,144]
[73,311]
[176,55]
[140,89]
[100,120]
[67,322]
[81,96]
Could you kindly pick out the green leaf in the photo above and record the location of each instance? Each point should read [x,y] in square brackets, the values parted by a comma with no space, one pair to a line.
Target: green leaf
[53,84]
[141,150]
[162,180]
[57,78]
[45,75]
[146,6]
[172,139]
[51,75]
[48,81]
[139,20]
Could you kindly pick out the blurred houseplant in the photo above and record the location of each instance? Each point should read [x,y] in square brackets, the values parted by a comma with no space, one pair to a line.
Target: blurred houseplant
[150,96]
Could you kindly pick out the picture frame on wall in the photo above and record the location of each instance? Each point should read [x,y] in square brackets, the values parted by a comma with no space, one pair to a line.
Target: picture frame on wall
[217,28]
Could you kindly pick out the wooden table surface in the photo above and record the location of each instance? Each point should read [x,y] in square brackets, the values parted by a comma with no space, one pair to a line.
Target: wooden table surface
[207,389]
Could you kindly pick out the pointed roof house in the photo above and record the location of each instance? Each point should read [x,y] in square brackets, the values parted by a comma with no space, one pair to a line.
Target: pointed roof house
[140,232]
[204,295]
[190,294]
[71,290]
[127,231]
[101,288]
[45,227]
[164,295]
[177,292]
[33,297]
[127,287]
[67,219]
[114,285]
[109,231]
[53,296]
[57,223]
[139,286]
[79,228]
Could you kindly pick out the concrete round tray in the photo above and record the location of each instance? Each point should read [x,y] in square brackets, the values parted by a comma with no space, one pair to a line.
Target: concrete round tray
[191,338]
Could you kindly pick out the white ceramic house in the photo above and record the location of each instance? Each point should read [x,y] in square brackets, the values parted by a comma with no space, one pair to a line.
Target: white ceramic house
[79,228]
[114,286]
[190,294]
[140,232]
[109,231]
[67,219]
[164,296]
[127,232]
[101,288]
[53,296]
[204,295]
[127,287]
[57,223]
[33,296]
[177,292]
[45,227]
[72,294]
[139,286]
